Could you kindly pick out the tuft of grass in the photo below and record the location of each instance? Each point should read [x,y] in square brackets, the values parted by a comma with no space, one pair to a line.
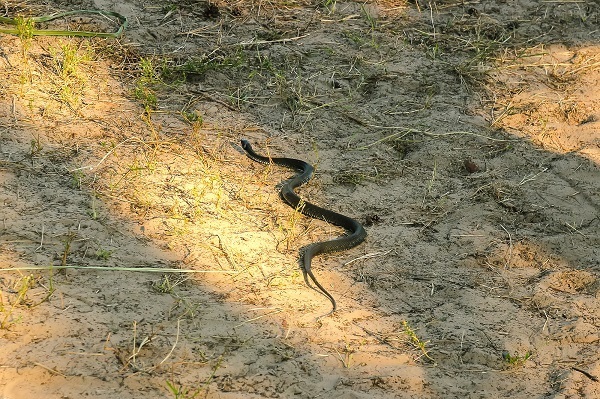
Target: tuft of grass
[77,178]
[369,17]
[70,82]
[174,72]
[67,58]
[329,5]
[354,177]
[166,284]
[157,74]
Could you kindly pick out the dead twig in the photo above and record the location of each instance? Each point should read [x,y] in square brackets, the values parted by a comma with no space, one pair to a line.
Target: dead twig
[588,375]
[367,256]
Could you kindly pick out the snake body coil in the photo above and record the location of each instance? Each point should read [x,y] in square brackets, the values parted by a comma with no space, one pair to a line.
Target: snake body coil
[305,172]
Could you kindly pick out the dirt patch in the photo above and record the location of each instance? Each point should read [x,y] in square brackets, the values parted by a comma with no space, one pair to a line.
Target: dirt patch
[145,256]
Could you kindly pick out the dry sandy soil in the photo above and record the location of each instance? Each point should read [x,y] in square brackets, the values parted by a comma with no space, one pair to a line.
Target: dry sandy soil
[144,256]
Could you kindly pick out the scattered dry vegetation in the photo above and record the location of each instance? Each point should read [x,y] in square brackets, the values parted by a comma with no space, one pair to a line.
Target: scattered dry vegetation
[145,256]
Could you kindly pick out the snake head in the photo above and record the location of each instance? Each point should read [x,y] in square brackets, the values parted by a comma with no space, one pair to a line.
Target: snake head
[246,145]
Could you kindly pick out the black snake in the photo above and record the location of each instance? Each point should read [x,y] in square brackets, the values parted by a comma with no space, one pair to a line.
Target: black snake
[305,172]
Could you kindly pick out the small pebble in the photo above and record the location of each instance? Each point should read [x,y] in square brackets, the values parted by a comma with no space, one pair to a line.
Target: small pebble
[471,166]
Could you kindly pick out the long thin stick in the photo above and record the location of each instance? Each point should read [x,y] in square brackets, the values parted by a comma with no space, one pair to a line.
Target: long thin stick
[41,240]
[406,130]
[174,345]
[588,375]
[116,269]
[367,256]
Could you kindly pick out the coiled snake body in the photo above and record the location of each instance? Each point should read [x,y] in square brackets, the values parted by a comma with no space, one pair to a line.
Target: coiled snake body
[305,172]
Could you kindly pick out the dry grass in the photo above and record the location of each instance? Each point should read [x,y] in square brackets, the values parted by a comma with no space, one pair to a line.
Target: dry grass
[151,140]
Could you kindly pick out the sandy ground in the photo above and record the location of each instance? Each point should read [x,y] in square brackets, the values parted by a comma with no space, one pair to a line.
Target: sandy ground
[150,258]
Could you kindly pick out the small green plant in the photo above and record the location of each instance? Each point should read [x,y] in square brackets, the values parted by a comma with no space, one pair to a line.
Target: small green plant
[36,146]
[144,90]
[21,287]
[516,360]
[168,10]
[103,254]
[67,241]
[193,118]
[357,38]
[181,392]
[163,73]
[25,27]
[67,59]
[164,286]
[434,52]
[93,211]
[415,341]
[76,179]
[50,288]
[167,284]
[148,71]
[351,178]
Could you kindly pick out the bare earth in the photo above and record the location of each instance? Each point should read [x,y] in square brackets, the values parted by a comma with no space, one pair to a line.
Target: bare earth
[464,135]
